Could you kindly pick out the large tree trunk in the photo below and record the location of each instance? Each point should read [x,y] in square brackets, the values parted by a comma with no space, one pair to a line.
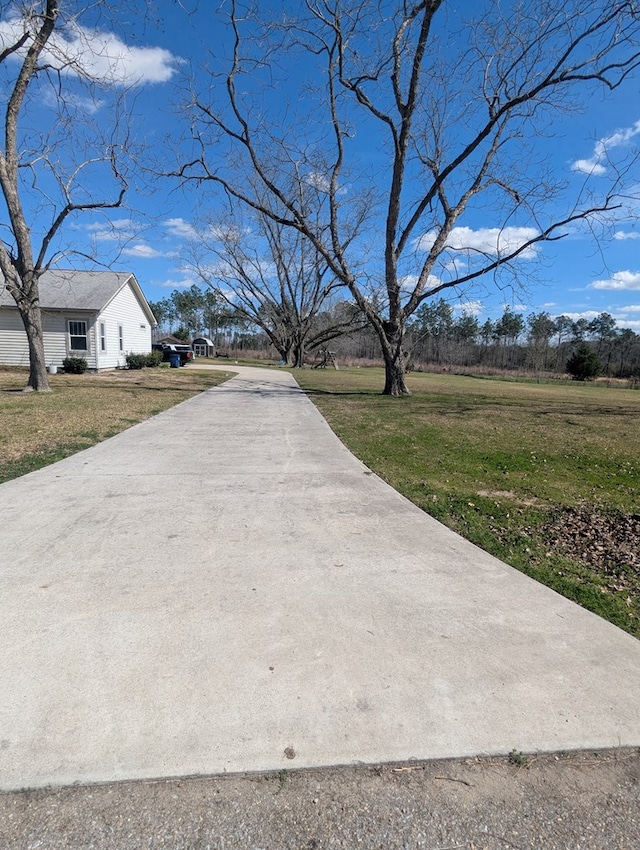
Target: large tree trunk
[298,355]
[394,360]
[32,321]
[394,380]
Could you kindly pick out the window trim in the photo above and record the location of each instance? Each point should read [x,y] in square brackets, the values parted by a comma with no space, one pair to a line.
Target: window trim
[103,337]
[71,336]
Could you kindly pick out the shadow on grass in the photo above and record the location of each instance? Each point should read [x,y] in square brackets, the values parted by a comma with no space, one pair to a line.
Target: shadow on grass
[348,393]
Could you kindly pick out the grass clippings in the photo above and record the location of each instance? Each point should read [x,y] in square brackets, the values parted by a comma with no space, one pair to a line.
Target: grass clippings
[545,477]
[37,429]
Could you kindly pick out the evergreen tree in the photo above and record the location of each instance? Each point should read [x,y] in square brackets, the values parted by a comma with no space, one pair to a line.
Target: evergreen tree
[584,364]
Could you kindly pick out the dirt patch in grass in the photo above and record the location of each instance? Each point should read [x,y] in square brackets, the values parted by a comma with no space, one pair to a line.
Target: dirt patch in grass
[508,494]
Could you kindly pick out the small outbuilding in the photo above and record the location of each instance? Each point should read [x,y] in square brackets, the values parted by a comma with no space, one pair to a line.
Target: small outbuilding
[203,347]
[99,315]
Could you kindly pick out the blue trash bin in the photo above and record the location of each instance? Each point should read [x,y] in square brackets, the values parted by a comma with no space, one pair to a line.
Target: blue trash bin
[175,361]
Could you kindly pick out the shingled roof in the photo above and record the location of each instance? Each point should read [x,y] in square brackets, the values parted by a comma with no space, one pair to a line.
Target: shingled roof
[65,289]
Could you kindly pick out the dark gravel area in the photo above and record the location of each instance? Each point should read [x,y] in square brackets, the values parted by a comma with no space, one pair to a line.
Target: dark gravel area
[565,801]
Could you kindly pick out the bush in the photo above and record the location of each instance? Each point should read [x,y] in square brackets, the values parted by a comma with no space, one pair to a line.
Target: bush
[136,361]
[584,364]
[139,361]
[75,365]
[154,358]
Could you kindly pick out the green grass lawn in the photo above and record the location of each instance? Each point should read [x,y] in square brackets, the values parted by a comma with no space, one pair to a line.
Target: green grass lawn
[544,476]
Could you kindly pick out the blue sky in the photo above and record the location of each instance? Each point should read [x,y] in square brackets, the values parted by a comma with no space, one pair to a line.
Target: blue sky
[575,276]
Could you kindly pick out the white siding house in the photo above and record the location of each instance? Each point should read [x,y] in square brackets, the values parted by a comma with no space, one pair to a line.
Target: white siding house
[101,316]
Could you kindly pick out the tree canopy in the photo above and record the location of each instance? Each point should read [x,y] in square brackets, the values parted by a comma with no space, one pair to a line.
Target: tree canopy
[454,104]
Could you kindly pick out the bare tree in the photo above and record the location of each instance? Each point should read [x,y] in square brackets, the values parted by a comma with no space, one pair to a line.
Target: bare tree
[46,176]
[439,114]
[274,277]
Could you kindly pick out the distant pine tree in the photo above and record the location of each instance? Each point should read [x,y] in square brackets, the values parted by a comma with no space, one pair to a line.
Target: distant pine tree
[584,364]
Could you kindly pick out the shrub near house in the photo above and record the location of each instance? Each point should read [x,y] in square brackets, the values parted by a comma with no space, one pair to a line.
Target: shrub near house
[140,361]
[75,365]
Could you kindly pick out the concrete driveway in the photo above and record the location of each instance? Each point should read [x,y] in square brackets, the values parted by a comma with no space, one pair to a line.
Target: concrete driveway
[225,588]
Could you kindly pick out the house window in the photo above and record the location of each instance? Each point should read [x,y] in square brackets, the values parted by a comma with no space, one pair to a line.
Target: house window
[78,336]
[121,337]
[103,337]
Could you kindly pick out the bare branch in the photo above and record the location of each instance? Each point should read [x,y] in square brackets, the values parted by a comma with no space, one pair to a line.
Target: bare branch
[450,108]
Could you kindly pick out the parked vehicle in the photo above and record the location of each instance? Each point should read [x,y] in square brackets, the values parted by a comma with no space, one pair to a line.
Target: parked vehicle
[185,351]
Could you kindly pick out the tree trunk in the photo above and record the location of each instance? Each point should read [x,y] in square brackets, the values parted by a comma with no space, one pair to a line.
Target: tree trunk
[32,321]
[297,360]
[394,360]
[394,382]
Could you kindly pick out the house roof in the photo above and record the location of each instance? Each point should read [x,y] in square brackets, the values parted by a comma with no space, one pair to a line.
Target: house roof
[64,289]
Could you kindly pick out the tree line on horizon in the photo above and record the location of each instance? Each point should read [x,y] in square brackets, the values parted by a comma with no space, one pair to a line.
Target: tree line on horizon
[439,336]
[538,342]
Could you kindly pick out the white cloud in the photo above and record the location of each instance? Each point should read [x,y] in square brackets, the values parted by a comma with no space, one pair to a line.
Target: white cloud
[623,322]
[322,182]
[616,139]
[492,241]
[108,235]
[471,308]
[619,138]
[621,235]
[216,271]
[513,308]
[318,181]
[101,56]
[453,265]
[621,315]
[589,166]
[113,231]
[409,281]
[142,252]
[178,284]
[622,280]
[586,314]
[117,224]
[180,228]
